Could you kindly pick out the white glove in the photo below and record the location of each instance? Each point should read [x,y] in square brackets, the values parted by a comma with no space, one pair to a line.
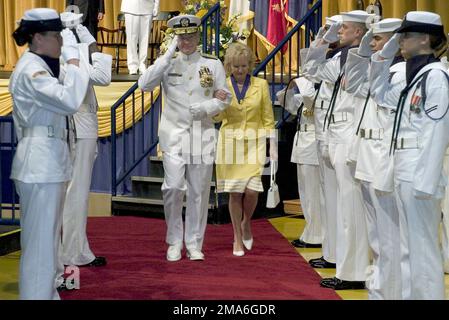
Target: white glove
[321,33]
[171,49]
[365,48]
[70,46]
[197,112]
[155,12]
[84,35]
[391,48]
[331,35]
[324,150]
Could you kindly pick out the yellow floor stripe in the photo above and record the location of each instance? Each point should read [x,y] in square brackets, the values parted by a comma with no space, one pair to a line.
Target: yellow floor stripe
[291,228]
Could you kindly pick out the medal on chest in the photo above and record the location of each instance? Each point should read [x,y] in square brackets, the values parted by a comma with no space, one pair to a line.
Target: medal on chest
[206,78]
[415,103]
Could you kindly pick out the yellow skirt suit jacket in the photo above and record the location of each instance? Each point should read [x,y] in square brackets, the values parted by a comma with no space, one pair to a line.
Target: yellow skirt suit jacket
[241,149]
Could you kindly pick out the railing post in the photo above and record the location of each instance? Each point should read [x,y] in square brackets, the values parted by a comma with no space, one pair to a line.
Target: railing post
[113,154]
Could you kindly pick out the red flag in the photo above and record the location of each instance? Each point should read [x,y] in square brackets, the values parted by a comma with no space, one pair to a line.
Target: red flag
[277,23]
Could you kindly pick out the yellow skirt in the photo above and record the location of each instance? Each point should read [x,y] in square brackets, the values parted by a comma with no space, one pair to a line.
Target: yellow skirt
[239,164]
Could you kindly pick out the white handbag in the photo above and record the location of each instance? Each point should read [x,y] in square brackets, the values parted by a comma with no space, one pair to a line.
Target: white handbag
[273,193]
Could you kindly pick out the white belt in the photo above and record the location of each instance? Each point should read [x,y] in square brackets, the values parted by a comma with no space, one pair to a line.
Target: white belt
[372,134]
[306,127]
[45,132]
[407,143]
[339,117]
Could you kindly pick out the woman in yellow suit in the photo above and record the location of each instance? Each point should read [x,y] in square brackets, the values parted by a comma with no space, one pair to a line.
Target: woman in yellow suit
[246,125]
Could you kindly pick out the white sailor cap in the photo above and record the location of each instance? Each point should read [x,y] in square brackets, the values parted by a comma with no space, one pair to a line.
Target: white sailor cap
[386,25]
[184,24]
[359,16]
[334,19]
[71,19]
[35,21]
[422,22]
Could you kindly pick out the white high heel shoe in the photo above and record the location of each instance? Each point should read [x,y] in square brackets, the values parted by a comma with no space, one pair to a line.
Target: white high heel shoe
[248,243]
[238,253]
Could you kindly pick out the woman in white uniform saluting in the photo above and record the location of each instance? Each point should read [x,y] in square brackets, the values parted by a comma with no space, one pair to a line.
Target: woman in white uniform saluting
[42,165]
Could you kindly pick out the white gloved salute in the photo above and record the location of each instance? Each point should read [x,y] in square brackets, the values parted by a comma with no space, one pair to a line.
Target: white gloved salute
[84,35]
[69,46]
[331,35]
[197,111]
[365,48]
[171,50]
[391,48]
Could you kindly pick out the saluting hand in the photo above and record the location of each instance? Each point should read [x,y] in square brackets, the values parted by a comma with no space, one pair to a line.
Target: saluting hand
[70,52]
[84,34]
[391,48]
[331,35]
[365,49]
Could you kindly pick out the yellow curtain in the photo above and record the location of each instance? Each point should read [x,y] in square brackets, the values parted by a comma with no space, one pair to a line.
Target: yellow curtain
[391,8]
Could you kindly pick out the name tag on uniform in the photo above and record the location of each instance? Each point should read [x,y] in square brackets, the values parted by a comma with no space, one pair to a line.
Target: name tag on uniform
[175,75]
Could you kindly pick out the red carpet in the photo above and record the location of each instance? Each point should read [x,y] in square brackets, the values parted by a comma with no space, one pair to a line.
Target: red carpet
[137,268]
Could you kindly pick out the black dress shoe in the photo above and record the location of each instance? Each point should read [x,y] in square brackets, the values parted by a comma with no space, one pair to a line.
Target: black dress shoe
[322,263]
[63,287]
[298,243]
[97,262]
[338,284]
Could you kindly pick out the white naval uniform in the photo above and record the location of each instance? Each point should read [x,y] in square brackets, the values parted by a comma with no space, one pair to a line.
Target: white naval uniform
[42,165]
[382,218]
[181,88]
[445,221]
[328,179]
[75,248]
[138,23]
[419,185]
[304,154]
[352,255]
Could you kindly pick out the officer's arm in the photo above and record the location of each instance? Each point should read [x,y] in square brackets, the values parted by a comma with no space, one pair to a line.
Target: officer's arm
[385,91]
[153,76]
[435,138]
[356,74]
[319,68]
[100,70]
[65,98]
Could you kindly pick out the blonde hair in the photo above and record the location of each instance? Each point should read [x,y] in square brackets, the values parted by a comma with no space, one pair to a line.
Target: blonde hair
[234,51]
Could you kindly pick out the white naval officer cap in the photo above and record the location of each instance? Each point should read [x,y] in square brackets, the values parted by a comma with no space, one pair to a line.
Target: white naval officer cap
[359,16]
[184,24]
[386,25]
[334,19]
[70,19]
[36,20]
[422,22]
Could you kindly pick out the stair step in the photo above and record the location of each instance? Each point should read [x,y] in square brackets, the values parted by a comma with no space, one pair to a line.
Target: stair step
[155,180]
[9,239]
[292,206]
[145,201]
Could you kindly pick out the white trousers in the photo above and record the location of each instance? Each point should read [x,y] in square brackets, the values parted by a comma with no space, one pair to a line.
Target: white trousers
[138,29]
[328,202]
[40,220]
[421,260]
[309,193]
[382,221]
[193,180]
[352,240]
[75,248]
[445,221]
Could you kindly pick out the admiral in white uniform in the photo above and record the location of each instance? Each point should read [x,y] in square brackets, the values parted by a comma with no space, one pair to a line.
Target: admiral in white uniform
[75,248]
[42,165]
[138,22]
[191,83]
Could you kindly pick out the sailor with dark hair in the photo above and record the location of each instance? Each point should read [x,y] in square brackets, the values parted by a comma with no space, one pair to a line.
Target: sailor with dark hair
[42,164]
[419,143]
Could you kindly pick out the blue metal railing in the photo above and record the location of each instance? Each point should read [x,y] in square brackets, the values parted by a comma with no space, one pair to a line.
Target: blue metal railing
[211,28]
[311,22]
[212,21]
[8,197]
